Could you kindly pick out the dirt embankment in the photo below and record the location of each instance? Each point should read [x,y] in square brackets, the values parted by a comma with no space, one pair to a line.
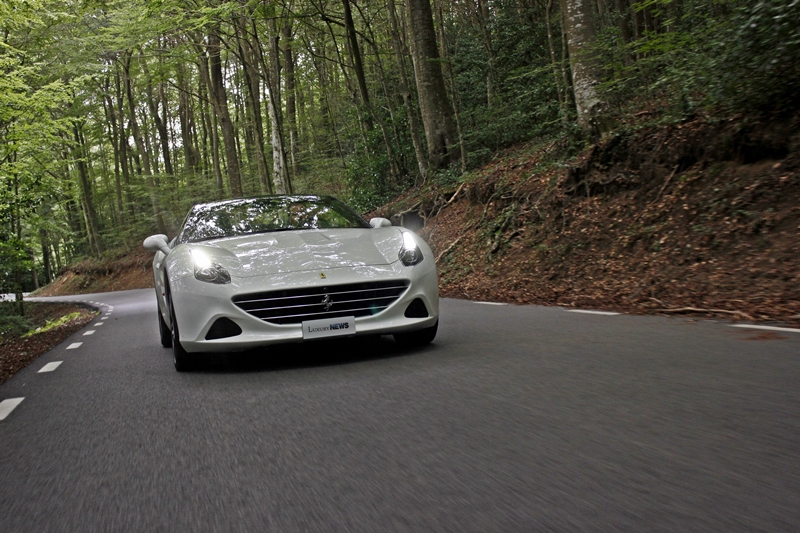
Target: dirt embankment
[670,219]
[128,271]
[701,216]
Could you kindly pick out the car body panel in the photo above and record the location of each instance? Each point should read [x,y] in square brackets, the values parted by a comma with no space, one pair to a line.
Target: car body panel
[306,258]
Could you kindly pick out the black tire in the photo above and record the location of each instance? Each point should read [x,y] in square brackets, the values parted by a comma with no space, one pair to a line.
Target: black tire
[180,357]
[164,332]
[415,339]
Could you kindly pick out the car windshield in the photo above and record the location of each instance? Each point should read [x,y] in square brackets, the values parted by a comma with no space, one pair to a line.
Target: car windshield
[267,214]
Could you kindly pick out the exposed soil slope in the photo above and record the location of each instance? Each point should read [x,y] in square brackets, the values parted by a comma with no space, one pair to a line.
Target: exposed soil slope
[673,219]
[128,271]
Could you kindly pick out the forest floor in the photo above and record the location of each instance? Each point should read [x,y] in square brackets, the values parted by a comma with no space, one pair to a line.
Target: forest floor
[18,351]
[700,218]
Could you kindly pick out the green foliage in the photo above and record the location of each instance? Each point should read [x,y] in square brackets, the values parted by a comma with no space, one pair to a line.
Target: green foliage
[760,65]
[719,56]
[13,258]
[52,324]
[12,325]
[511,99]
[368,182]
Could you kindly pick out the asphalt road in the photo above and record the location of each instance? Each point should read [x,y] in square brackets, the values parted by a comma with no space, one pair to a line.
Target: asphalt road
[517,418]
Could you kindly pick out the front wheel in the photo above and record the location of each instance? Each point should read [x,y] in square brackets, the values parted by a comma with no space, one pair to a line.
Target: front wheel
[414,339]
[180,357]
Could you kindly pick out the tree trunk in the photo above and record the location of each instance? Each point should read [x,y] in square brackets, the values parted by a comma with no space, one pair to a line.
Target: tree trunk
[405,92]
[291,112]
[219,97]
[123,142]
[437,115]
[280,171]
[485,20]
[355,54]
[92,226]
[46,264]
[191,157]
[448,71]
[580,28]
[161,127]
[253,86]
[559,89]
[160,226]
[113,136]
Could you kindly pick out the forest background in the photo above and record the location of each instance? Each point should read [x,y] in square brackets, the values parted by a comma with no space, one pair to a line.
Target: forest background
[116,117]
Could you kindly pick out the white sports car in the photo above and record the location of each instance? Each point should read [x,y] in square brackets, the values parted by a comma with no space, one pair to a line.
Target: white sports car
[275,269]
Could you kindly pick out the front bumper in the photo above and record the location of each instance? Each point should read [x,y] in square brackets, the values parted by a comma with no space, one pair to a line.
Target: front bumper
[198,305]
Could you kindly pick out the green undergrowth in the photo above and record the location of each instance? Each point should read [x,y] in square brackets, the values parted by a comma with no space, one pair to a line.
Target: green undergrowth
[52,324]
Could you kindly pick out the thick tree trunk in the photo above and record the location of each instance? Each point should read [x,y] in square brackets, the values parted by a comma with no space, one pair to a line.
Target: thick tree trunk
[579,22]
[405,92]
[437,115]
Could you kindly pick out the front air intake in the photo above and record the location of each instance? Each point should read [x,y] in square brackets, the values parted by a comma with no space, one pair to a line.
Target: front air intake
[416,309]
[296,305]
[223,328]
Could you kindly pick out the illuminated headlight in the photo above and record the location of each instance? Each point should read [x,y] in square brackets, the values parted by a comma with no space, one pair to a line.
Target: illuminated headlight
[410,254]
[207,270]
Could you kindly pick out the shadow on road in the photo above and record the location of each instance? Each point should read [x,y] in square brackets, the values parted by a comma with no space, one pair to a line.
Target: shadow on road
[306,355]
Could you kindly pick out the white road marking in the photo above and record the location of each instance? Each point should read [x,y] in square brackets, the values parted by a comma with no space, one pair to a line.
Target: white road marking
[491,303]
[608,313]
[99,324]
[90,332]
[49,367]
[6,406]
[770,328]
[104,318]
[74,345]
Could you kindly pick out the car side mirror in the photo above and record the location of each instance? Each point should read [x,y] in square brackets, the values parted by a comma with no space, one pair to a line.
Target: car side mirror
[157,243]
[379,222]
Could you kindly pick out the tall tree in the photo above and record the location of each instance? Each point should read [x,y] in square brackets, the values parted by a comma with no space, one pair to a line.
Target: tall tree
[437,115]
[219,98]
[579,23]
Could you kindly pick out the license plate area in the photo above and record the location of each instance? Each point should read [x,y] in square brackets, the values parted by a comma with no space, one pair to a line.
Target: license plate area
[329,327]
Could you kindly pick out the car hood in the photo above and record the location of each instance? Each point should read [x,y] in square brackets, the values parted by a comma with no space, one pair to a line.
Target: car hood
[302,250]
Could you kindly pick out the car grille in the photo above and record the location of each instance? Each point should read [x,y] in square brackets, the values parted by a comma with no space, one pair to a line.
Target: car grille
[296,305]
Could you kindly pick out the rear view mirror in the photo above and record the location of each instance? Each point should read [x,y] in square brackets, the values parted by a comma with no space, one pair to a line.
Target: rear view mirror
[379,222]
[157,243]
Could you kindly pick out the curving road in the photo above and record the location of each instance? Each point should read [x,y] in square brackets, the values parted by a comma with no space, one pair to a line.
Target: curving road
[517,418]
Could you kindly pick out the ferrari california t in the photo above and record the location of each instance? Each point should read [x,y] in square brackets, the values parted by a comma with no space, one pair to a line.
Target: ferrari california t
[252,272]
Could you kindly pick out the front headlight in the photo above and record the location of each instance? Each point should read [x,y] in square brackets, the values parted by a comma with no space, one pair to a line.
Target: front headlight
[207,270]
[410,254]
